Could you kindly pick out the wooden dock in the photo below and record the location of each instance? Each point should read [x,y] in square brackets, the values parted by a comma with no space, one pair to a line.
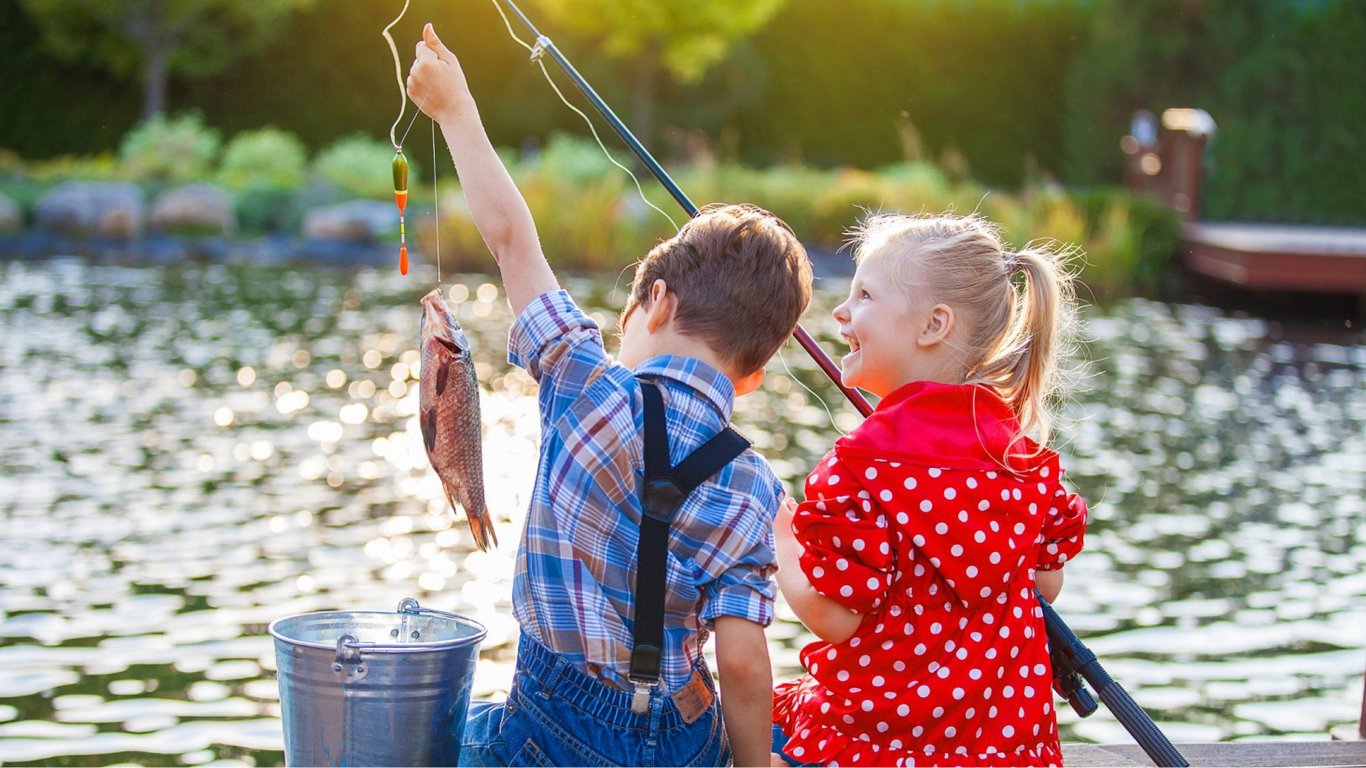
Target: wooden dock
[1244,754]
[1278,258]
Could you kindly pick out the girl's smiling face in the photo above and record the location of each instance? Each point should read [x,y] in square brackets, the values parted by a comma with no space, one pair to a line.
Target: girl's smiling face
[880,321]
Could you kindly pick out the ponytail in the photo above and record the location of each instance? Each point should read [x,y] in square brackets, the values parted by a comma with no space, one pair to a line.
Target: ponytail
[1023,361]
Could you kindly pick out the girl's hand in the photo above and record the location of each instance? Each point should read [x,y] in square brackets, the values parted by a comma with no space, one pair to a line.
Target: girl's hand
[782,522]
[436,82]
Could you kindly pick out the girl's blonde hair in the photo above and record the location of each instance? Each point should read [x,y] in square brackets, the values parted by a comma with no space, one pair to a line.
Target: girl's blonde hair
[1018,309]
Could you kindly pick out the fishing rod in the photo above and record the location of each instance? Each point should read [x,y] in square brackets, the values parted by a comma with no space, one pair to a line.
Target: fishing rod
[544,46]
[1068,654]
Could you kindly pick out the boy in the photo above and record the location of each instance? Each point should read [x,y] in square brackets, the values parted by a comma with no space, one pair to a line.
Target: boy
[707,309]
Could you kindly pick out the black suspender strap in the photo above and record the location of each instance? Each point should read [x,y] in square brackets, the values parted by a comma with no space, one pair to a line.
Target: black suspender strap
[665,489]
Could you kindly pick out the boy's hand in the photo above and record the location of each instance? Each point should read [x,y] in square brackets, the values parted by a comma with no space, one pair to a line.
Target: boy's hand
[436,83]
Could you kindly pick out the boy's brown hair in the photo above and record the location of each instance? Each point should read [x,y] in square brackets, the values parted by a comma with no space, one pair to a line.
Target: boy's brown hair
[742,280]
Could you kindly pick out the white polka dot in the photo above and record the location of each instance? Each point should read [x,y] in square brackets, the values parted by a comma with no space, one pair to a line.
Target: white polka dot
[1015,493]
[902,518]
[934,472]
[837,541]
[956,550]
[1005,494]
[950,732]
[899,665]
[873,583]
[818,572]
[842,564]
[972,571]
[936,628]
[910,483]
[1008,691]
[962,516]
[858,545]
[846,591]
[798,751]
[881,728]
[1040,669]
[941,528]
[923,691]
[917,731]
[984,505]
[980,537]
[937,712]
[972,482]
[886,495]
[995,558]
[920,649]
[1019,528]
[867,705]
[1043,471]
[1008,731]
[831,480]
[949,493]
[926,506]
[871,474]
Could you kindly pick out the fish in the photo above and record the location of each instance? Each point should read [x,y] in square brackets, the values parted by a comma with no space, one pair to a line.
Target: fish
[448,412]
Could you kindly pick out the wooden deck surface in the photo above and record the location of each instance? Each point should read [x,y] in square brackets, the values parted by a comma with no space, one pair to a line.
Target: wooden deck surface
[1243,754]
[1276,257]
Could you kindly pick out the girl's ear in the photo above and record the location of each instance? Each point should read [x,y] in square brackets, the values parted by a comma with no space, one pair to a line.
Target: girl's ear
[938,325]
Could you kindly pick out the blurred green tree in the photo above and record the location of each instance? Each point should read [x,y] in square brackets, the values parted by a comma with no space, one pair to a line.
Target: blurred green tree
[680,38]
[153,39]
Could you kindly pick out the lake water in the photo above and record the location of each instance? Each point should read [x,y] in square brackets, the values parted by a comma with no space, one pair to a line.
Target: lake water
[191,452]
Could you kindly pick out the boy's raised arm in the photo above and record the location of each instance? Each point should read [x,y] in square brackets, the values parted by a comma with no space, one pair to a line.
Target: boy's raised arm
[436,83]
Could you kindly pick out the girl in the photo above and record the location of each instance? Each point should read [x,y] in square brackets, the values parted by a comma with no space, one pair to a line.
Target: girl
[926,530]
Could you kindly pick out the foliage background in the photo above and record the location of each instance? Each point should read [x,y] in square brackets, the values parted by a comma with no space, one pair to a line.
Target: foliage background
[1003,91]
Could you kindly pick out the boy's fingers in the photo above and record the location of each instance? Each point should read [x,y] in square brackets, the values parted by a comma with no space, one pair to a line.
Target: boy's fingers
[433,42]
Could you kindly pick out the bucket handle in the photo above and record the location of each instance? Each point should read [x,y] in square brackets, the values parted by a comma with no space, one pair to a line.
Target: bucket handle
[348,661]
[409,606]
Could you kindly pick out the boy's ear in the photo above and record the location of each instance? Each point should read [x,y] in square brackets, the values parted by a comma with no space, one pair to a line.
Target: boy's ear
[938,325]
[746,384]
[663,304]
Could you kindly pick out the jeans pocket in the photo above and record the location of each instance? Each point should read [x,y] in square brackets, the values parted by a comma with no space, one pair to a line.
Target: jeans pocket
[530,755]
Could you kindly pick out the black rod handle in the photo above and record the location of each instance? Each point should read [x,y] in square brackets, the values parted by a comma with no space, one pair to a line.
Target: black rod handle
[1151,738]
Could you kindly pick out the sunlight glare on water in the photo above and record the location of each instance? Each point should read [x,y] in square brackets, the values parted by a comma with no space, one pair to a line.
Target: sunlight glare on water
[196,451]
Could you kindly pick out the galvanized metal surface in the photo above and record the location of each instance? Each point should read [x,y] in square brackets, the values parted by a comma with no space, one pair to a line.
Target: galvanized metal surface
[375,688]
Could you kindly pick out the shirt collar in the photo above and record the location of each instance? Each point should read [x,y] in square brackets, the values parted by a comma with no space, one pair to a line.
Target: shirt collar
[709,383]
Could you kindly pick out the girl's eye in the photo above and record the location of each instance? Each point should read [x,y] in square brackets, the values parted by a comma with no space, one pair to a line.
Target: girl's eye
[864,295]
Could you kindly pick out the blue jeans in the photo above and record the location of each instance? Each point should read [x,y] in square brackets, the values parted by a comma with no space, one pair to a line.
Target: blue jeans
[779,743]
[556,714]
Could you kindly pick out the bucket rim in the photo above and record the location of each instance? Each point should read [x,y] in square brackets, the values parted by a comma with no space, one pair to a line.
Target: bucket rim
[475,639]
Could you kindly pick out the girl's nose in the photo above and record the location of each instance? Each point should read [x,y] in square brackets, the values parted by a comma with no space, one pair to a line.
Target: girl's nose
[840,313]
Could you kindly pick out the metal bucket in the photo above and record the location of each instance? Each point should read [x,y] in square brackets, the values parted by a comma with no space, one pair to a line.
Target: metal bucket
[375,688]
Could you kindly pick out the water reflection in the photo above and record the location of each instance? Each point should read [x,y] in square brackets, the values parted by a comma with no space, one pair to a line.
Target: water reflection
[194,451]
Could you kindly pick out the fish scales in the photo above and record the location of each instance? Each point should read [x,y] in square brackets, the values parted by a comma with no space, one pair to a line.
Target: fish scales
[449,415]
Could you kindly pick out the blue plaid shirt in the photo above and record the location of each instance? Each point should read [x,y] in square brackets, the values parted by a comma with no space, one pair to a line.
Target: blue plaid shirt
[576,569]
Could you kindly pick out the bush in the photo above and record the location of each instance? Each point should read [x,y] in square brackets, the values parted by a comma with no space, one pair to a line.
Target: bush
[267,157]
[169,150]
[363,166]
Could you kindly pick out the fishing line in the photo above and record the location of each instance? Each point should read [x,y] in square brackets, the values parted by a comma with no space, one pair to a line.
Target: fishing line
[436,207]
[802,384]
[398,77]
[535,52]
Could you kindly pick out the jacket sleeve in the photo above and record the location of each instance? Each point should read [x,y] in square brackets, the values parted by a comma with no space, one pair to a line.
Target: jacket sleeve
[1063,530]
[848,552]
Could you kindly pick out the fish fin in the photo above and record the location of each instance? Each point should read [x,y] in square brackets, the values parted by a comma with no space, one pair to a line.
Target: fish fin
[443,375]
[427,419]
[481,527]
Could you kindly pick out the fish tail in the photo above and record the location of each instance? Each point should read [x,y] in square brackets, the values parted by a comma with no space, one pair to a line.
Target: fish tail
[482,529]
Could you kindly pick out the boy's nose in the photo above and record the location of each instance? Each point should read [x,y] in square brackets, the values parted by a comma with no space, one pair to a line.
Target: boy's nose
[838,313]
